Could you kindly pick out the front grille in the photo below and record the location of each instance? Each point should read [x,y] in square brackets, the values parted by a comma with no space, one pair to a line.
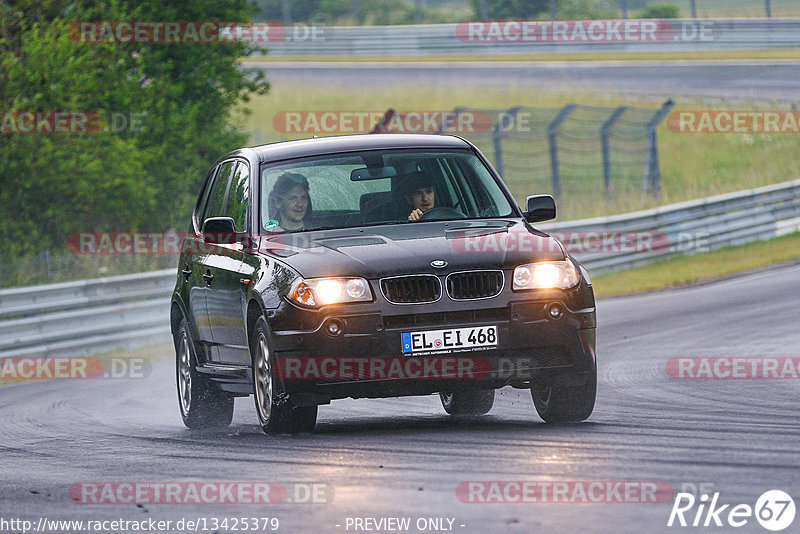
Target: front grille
[474,285]
[490,315]
[411,289]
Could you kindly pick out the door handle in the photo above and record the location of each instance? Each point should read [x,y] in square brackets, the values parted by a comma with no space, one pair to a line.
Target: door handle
[187,272]
[208,277]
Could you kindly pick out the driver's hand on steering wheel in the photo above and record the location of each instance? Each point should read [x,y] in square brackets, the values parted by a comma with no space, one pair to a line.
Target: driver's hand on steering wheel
[415,215]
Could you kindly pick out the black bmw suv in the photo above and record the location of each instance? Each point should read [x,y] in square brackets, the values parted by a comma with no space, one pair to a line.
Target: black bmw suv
[374,266]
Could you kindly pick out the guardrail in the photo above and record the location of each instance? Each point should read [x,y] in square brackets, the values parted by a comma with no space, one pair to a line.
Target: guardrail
[85,316]
[123,311]
[608,243]
[435,39]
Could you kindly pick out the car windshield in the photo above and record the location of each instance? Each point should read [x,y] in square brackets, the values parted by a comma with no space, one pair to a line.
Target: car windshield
[378,187]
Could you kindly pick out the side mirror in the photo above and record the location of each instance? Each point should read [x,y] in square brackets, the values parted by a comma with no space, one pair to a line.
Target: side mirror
[219,230]
[540,208]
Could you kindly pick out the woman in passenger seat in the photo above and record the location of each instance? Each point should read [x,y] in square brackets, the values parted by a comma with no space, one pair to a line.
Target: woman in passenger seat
[289,202]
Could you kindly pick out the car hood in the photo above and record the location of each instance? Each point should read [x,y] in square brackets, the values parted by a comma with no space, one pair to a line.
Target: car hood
[378,251]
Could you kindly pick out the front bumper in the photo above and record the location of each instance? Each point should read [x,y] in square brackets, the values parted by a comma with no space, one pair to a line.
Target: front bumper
[316,366]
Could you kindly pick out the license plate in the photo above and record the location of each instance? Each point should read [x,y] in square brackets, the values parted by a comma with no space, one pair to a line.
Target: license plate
[454,339]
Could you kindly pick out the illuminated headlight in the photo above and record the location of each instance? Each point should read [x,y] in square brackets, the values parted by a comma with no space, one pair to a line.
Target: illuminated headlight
[324,291]
[546,275]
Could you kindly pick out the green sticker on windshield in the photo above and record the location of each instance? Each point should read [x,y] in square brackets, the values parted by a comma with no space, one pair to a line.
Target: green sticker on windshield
[270,225]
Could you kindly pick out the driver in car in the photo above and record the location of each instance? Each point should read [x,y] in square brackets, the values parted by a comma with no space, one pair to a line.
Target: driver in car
[418,192]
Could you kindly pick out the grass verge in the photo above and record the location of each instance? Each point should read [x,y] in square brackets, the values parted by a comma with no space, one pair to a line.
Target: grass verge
[692,165]
[685,270]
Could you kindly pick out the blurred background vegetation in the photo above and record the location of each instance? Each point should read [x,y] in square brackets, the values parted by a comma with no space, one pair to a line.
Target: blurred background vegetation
[368,12]
[194,103]
[147,180]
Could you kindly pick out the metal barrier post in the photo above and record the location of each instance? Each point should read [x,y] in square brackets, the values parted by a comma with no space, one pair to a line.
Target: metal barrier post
[449,120]
[652,179]
[552,132]
[497,136]
[604,131]
[381,126]
[497,143]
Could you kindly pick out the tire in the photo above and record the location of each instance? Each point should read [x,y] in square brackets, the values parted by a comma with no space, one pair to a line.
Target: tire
[558,403]
[276,413]
[467,402]
[202,404]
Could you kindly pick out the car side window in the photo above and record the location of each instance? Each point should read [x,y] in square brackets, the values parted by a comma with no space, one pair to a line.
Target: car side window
[238,196]
[216,197]
[200,206]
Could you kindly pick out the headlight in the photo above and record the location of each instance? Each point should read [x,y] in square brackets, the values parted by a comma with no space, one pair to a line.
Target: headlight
[324,291]
[546,275]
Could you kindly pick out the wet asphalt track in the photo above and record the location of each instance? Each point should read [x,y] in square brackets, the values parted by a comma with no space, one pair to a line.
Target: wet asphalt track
[759,80]
[405,457]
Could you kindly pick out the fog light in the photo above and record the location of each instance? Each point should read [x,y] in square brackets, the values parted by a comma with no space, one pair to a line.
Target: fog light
[334,327]
[555,312]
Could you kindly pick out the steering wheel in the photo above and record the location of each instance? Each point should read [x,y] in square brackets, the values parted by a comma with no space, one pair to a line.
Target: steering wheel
[440,213]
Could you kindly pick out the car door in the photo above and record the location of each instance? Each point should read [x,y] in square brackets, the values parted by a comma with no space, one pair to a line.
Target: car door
[208,257]
[226,292]
[191,269]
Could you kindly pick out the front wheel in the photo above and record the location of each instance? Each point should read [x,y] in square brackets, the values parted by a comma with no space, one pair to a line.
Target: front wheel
[202,404]
[276,413]
[467,402]
[558,403]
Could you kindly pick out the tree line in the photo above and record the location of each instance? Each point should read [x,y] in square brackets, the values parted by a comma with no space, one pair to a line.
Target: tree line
[143,121]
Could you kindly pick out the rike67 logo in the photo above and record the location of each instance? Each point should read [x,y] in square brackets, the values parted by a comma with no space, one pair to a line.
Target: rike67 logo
[774,510]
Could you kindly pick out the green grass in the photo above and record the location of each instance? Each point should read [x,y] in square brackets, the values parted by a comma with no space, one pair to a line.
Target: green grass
[684,270]
[744,54]
[692,165]
[738,8]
